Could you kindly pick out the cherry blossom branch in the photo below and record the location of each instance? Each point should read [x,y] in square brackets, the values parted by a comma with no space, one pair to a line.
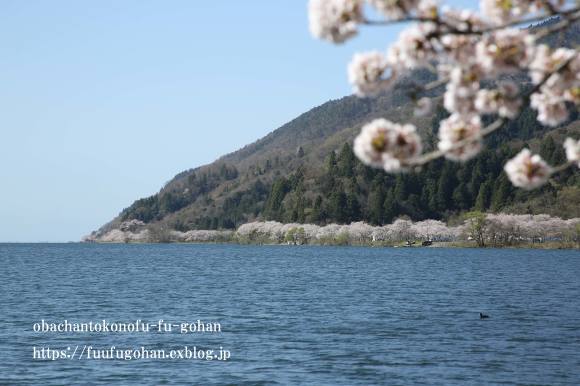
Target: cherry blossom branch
[570,17]
[430,86]
[454,30]
[471,48]
[399,21]
[497,124]
[568,20]
[561,168]
[417,89]
[436,20]
[432,156]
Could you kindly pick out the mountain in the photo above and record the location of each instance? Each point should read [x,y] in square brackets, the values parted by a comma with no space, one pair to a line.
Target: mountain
[305,171]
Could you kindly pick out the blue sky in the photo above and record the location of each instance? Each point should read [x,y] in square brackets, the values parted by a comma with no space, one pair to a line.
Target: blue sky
[102,102]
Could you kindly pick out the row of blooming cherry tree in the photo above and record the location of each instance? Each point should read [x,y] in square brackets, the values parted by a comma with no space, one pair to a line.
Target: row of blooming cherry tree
[463,48]
[496,229]
[491,229]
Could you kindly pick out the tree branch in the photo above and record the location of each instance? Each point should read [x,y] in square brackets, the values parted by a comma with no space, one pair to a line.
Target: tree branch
[454,31]
[571,18]
[561,168]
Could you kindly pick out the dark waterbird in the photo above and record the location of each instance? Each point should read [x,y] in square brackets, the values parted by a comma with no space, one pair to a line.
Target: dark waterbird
[483,316]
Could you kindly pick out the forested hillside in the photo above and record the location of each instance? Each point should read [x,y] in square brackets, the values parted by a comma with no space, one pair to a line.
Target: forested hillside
[306,172]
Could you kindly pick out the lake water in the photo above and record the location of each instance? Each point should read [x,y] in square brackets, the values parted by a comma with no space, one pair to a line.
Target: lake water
[295,315]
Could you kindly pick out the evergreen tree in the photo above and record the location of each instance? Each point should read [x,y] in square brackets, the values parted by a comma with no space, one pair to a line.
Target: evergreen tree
[331,163]
[501,193]
[329,179]
[412,207]
[317,215]
[477,178]
[298,214]
[390,207]
[445,188]
[274,209]
[346,161]
[430,197]
[353,208]
[337,207]
[460,197]
[401,191]
[484,196]
[376,200]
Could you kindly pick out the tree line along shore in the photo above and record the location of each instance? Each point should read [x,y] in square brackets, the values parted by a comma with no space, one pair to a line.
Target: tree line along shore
[475,229]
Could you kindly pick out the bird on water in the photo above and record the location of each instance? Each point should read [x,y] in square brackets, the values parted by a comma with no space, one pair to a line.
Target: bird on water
[483,316]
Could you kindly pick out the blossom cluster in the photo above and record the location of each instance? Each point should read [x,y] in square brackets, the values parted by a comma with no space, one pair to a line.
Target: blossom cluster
[467,50]
[559,87]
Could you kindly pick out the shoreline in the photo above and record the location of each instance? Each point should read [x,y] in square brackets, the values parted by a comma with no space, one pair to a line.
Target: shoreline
[476,231]
[436,245]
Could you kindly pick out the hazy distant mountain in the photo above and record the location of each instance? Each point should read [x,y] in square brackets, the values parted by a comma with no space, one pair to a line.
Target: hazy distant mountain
[305,171]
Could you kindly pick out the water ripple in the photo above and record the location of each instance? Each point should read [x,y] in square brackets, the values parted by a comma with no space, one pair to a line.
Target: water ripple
[298,315]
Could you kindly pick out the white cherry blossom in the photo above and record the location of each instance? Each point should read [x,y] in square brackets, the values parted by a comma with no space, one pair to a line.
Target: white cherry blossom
[552,109]
[527,170]
[505,51]
[395,9]
[458,48]
[572,148]
[546,62]
[461,90]
[457,128]
[423,107]
[385,144]
[502,11]
[504,100]
[415,46]
[334,20]
[369,73]
[428,9]
[373,142]
[463,19]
